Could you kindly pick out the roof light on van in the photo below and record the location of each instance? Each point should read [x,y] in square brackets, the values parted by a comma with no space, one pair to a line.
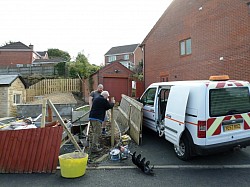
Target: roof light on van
[219,78]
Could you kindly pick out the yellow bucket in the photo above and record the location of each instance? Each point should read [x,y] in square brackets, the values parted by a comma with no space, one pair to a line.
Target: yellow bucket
[73,164]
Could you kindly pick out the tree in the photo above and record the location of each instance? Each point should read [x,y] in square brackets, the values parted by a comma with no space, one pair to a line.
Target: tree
[138,71]
[81,67]
[61,68]
[57,53]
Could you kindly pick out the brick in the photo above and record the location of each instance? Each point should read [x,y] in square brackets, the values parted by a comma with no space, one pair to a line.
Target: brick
[220,29]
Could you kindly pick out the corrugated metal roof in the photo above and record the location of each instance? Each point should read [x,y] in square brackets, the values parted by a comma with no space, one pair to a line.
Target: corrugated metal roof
[122,49]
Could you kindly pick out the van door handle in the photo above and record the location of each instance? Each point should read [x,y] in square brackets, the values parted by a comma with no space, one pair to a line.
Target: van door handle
[151,110]
[168,115]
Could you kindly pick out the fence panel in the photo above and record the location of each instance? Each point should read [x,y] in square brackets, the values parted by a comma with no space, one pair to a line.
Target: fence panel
[48,86]
[130,117]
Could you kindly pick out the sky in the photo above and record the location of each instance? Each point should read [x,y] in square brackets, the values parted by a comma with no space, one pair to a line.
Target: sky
[91,27]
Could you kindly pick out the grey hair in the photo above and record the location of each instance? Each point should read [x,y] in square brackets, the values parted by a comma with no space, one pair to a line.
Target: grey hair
[105,93]
[100,86]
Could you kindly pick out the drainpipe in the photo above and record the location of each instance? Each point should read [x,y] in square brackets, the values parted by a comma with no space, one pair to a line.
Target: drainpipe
[142,46]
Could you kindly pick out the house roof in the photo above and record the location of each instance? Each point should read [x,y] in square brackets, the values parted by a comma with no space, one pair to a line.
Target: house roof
[53,60]
[117,63]
[157,24]
[122,49]
[15,45]
[7,80]
[42,53]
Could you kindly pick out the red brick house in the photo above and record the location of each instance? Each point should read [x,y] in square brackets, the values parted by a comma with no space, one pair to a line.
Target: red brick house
[116,78]
[17,53]
[127,55]
[194,39]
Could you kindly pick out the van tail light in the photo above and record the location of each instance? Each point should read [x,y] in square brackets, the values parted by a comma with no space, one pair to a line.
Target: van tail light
[201,129]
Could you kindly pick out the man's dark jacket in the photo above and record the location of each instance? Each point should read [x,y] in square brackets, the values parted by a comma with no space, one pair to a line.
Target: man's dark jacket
[99,107]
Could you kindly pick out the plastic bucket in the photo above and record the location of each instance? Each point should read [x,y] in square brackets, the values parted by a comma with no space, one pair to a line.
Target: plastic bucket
[73,164]
[115,155]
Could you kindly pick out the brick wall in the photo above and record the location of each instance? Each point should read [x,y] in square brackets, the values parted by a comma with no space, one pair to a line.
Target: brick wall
[137,56]
[15,57]
[219,29]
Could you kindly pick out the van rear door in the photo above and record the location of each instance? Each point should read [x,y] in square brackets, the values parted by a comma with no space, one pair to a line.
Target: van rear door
[175,113]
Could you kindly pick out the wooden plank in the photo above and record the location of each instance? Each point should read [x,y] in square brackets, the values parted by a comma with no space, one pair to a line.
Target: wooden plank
[65,127]
[112,128]
[43,113]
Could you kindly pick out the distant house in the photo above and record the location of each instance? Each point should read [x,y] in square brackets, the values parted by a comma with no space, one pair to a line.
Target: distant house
[12,91]
[195,39]
[127,55]
[18,54]
[43,54]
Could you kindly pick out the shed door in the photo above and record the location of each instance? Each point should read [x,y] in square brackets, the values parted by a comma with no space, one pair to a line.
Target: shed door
[116,87]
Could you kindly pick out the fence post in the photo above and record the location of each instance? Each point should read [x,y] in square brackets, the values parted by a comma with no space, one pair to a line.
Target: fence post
[112,125]
[43,113]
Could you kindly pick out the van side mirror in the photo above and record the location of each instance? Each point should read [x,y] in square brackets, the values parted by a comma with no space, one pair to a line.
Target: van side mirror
[141,101]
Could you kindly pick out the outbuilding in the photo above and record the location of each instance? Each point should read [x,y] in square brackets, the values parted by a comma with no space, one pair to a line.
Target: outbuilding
[12,91]
[116,79]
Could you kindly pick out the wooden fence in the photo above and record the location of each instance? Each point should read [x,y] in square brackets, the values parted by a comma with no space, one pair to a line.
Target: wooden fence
[129,118]
[48,86]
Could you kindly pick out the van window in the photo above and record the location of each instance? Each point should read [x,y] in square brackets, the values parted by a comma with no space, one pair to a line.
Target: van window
[229,101]
[149,97]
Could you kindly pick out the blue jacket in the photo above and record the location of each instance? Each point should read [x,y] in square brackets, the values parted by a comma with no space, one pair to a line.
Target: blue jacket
[99,107]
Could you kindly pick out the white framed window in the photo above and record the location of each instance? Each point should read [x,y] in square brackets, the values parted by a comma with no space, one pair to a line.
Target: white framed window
[111,58]
[17,98]
[185,47]
[126,57]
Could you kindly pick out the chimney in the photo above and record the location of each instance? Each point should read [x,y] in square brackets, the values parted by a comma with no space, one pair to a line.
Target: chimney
[31,47]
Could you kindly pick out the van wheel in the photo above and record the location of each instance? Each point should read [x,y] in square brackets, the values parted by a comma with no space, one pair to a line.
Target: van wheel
[183,151]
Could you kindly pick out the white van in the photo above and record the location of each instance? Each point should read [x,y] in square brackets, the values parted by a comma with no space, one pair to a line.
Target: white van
[199,117]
